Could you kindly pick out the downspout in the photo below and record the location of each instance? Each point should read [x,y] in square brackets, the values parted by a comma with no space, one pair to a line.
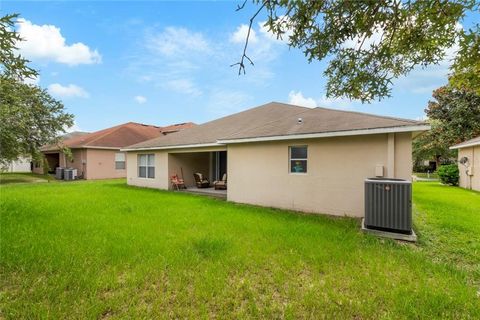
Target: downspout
[391,155]
[470,176]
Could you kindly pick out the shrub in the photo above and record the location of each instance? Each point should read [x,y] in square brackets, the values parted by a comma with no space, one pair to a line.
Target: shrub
[419,167]
[448,174]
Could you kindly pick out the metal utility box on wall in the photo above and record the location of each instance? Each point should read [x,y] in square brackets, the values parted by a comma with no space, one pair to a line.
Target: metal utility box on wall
[388,205]
[59,173]
[70,174]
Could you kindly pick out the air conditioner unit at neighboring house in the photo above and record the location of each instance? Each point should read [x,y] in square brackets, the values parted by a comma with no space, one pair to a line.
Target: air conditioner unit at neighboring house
[70,174]
[59,173]
[388,205]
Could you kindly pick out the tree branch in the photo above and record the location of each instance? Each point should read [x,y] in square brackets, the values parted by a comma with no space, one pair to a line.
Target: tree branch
[241,63]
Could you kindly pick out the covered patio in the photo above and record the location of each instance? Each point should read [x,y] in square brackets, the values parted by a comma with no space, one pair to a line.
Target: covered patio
[211,164]
[210,191]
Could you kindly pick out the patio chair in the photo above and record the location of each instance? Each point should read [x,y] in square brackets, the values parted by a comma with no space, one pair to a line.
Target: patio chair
[221,184]
[177,183]
[200,181]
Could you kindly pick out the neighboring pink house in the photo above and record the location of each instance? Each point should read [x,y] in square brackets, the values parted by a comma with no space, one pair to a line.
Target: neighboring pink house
[97,155]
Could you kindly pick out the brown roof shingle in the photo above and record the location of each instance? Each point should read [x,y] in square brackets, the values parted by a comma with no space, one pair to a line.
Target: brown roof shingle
[273,119]
[119,136]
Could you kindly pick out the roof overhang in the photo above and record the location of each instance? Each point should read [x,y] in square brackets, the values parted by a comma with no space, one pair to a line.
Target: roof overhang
[81,147]
[184,146]
[223,142]
[466,145]
[414,128]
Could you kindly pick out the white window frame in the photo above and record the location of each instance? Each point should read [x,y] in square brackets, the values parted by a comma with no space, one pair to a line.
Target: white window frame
[147,155]
[290,159]
[120,161]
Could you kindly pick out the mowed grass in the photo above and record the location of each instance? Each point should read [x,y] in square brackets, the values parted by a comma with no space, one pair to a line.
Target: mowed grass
[15,178]
[448,220]
[106,250]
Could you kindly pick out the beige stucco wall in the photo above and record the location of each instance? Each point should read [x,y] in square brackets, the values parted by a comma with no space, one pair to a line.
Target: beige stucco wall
[101,165]
[337,167]
[161,171]
[168,163]
[473,155]
[258,173]
[189,163]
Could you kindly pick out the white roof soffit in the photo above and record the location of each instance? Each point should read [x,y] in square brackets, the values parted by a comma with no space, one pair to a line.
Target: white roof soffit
[466,145]
[412,128]
[184,146]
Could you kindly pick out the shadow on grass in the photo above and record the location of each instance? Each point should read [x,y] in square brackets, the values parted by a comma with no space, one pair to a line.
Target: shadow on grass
[344,222]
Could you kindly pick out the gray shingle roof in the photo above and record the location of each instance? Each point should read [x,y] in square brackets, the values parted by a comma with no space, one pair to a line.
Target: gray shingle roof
[274,119]
[468,143]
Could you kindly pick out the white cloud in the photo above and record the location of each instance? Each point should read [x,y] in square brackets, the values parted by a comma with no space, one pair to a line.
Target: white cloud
[184,86]
[68,91]
[73,128]
[240,35]
[224,102]
[174,41]
[297,98]
[337,103]
[267,34]
[32,81]
[46,42]
[140,99]
[358,41]
[263,45]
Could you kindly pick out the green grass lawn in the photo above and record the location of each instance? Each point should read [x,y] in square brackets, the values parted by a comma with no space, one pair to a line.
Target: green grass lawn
[15,178]
[106,250]
[433,175]
[448,221]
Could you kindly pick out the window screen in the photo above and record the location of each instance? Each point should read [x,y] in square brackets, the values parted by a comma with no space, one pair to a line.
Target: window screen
[298,159]
[119,160]
[146,166]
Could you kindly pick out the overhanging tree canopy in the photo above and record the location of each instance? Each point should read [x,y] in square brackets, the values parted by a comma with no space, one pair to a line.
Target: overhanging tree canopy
[372,42]
[30,117]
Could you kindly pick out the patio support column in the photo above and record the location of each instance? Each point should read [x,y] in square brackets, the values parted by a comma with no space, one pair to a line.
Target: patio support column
[391,155]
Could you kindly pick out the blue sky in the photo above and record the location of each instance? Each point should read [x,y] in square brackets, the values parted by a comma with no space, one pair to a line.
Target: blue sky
[168,62]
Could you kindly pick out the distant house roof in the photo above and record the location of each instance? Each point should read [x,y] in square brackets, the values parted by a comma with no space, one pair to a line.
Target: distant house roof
[468,143]
[73,134]
[279,121]
[119,136]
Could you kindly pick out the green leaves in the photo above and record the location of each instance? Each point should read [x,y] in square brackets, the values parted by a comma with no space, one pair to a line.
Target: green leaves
[466,68]
[370,43]
[455,117]
[12,65]
[30,117]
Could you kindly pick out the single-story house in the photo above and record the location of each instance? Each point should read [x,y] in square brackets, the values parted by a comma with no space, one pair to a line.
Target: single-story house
[469,163]
[97,155]
[285,156]
[22,164]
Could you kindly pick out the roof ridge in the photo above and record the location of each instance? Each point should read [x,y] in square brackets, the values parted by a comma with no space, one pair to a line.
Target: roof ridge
[276,120]
[108,131]
[247,110]
[371,115]
[357,112]
[141,124]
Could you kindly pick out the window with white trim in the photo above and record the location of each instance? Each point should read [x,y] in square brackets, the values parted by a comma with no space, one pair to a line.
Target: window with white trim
[298,159]
[146,166]
[120,160]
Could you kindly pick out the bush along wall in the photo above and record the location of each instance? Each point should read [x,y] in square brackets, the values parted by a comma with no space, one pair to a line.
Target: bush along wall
[449,174]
